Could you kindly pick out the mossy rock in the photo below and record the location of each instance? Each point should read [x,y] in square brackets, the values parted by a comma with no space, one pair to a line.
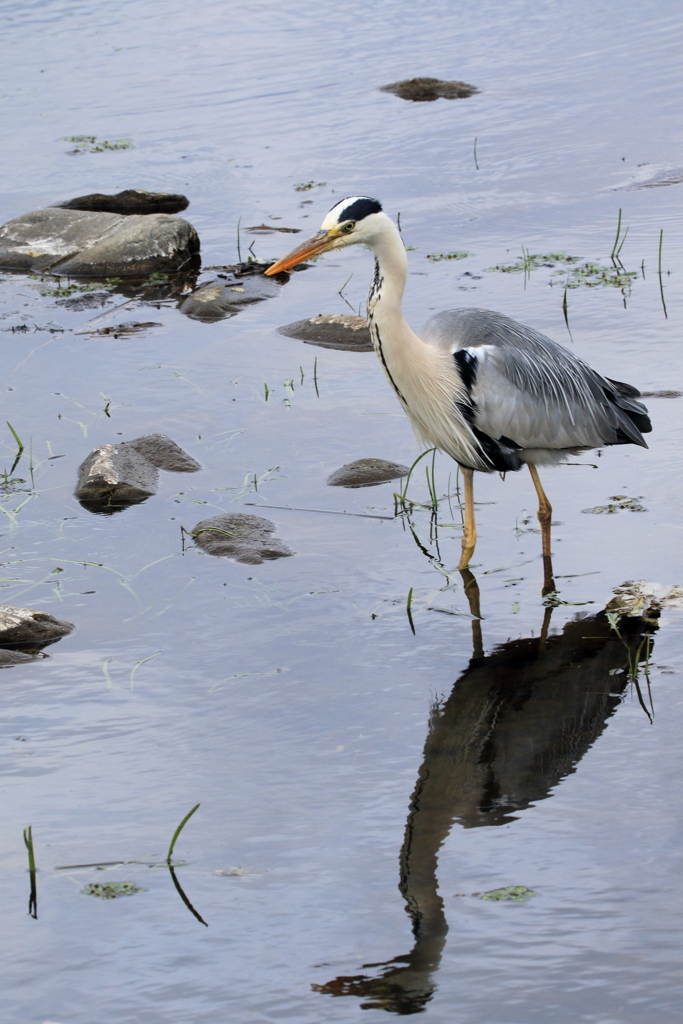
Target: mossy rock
[341,331]
[366,473]
[425,90]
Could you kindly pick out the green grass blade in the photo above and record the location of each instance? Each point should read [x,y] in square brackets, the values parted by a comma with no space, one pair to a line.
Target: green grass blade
[177,832]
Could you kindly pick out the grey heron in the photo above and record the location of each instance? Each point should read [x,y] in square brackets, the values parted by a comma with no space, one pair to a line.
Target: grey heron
[492,393]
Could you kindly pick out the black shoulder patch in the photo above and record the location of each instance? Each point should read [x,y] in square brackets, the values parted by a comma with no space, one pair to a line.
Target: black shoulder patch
[361,208]
[467,366]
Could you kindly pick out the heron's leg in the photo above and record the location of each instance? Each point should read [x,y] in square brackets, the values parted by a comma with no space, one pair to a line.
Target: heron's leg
[544,514]
[469,534]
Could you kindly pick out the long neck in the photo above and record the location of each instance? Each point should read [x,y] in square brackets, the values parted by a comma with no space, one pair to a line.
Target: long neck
[399,349]
[422,375]
[389,280]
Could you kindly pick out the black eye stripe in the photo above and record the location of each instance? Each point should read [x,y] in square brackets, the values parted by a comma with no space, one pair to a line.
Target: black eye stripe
[359,209]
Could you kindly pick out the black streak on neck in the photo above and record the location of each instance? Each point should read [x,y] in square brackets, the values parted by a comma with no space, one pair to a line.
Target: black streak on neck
[380,352]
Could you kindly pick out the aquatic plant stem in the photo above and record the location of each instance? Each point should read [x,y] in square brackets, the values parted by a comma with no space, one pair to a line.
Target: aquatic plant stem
[177,832]
[33,895]
[659,274]
[409,613]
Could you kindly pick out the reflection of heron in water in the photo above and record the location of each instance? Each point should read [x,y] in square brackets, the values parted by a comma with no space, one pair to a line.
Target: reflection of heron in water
[515,724]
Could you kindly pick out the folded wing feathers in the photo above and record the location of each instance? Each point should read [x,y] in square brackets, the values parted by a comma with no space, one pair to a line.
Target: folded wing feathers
[532,390]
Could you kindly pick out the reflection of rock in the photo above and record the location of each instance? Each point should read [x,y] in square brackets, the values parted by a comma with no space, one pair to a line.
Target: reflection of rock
[226,295]
[340,331]
[268,229]
[422,90]
[8,658]
[131,200]
[122,330]
[516,723]
[81,244]
[366,473]
[28,627]
[243,537]
[115,476]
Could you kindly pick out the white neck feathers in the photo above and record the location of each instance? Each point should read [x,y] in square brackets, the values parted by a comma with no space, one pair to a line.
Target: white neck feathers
[423,376]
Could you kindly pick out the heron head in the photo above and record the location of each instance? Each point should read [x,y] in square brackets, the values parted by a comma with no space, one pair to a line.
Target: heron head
[350,222]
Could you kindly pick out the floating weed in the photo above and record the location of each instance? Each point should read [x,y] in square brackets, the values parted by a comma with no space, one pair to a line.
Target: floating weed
[593,275]
[618,503]
[306,186]
[90,143]
[513,893]
[63,291]
[579,275]
[528,262]
[111,890]
[437,257]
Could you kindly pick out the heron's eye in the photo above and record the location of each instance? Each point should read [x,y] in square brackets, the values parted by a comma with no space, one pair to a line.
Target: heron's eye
[349,227]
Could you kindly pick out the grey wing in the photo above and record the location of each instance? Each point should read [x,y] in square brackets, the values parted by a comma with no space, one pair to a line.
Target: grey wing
[526,389]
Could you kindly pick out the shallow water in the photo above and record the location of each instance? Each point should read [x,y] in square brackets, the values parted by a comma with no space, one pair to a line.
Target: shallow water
[291,699]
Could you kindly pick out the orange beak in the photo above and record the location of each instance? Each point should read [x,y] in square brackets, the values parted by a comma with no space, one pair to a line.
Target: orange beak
[319,243]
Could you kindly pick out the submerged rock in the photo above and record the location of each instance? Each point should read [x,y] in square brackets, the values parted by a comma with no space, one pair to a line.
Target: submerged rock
[650,176]
[116,476]
[28,627]
[84,244]
[227,294]
[131,200]
[366,473]
[340,331]
[421,90]
[245,538]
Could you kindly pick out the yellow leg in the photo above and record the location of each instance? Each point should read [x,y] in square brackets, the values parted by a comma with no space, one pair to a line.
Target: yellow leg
[544,514]
[469,535]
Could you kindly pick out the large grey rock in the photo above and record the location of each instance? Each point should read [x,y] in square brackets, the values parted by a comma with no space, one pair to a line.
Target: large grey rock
[115,476]
[131,200]
[28,627]
[85,244]
[243,537]
[340,331]
[227,295]
[366,473]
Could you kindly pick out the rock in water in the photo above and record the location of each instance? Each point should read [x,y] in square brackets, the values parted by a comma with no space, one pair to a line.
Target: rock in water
[340,331]
[84,244]
[164,453]
[116,476]
[421,90]
[243,537]
[366,473]
[131,200]
[28,627]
